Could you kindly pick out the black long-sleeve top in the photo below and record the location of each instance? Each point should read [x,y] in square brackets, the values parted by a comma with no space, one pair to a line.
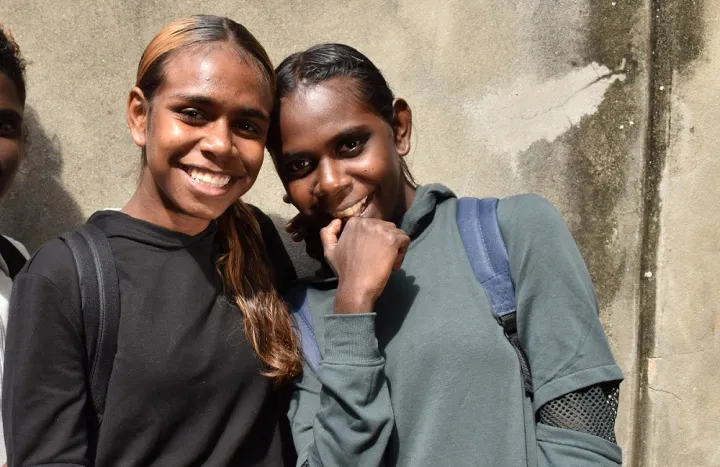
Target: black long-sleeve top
[186,386]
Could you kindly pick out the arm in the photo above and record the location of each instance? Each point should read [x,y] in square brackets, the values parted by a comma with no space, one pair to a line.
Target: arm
[343,415]
[572,366]
[44,391]
[347,418]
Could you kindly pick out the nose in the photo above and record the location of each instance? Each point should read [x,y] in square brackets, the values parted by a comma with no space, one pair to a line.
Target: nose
[332,180]
[217,140]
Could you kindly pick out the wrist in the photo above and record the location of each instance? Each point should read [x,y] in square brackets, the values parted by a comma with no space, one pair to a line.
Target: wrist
[351,300]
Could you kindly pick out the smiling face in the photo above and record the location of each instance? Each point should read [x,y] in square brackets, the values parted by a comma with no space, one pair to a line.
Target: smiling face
[12,142]
[338,157]
[204,134]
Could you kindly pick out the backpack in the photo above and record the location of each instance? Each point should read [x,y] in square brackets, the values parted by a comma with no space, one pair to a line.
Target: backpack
[100,302]
[14,259]
[480,233]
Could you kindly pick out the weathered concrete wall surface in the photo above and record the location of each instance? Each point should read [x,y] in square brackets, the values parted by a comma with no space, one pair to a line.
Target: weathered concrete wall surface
[681,359]
[508,97]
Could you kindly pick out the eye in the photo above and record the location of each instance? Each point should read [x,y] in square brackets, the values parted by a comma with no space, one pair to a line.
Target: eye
[298,165]
[247,127]
[192,115]
[352,146]
[298,168]
[10,129]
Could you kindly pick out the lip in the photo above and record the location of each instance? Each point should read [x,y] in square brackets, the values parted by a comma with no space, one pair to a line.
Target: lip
[367,200]
[205,189]
[185,168]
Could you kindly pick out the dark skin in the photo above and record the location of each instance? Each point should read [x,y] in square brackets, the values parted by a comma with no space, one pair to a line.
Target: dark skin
[204,135]
[12,140]
[340,165]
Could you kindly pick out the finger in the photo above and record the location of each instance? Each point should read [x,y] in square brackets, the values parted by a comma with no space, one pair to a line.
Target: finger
[314,250]
[297,221]
[404,239]
[299,234]
[329,234]
[403,243]
[399,259]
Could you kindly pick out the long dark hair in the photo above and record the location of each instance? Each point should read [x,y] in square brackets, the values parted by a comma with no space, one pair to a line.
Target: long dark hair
[244,266]
[323,62]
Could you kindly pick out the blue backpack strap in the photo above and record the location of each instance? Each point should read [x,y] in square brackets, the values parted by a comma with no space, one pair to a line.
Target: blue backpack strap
[297,297]
[480,233]
[100,302]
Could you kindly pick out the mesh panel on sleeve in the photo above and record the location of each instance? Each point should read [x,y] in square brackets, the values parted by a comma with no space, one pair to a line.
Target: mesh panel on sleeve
[590,410]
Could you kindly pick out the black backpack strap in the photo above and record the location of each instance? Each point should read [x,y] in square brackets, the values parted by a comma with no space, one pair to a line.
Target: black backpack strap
[100,298]
[14,259]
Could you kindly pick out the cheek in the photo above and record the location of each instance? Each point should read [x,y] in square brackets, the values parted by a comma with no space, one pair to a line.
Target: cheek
[300,192]
[10,153]
[165,138]
[377,166]
[252,155]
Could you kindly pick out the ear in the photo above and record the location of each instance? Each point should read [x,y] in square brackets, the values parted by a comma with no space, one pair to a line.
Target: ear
[138,109]
[402,126]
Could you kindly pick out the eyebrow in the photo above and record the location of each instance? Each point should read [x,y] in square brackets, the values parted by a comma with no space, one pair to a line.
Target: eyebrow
[345,133]
[244,111]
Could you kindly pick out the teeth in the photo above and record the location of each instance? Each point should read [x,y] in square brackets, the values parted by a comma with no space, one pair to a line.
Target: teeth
[208,178]
[353,210]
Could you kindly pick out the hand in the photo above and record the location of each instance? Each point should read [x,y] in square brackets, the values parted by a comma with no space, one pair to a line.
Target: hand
[307,228]
[363,258]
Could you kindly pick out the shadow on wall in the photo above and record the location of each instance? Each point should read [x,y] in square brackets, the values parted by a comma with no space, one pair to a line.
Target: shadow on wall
[38,208]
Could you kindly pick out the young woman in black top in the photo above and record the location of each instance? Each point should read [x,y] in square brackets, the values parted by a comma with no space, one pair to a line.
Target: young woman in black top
[203,333]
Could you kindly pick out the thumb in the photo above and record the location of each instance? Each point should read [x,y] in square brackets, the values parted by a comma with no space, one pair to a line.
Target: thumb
[329,235]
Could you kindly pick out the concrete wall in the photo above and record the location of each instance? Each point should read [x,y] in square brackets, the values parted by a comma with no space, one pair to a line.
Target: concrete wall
[679,401]
[560,98]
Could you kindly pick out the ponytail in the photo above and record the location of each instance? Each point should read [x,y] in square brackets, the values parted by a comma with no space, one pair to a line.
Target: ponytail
[246,272]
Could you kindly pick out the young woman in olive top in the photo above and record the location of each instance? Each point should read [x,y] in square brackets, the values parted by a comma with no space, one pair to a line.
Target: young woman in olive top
[415,370]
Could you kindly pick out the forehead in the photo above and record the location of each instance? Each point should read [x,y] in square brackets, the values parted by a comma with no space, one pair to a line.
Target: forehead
[9,98]
[311,116]
[216,70]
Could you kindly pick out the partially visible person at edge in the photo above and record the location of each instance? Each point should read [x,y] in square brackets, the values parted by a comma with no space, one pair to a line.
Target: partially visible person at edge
[415,369]
[12,144]
[203,333]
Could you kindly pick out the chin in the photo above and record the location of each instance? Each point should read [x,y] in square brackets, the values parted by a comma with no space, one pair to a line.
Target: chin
[203,211]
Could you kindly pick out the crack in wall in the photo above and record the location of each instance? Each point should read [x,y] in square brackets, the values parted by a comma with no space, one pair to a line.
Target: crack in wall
[665,392]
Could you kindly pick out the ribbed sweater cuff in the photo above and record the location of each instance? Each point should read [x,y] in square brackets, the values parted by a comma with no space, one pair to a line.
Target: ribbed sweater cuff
[351,339]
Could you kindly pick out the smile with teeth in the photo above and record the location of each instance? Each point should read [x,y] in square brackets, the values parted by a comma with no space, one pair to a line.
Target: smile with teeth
[353,210]
[208,178]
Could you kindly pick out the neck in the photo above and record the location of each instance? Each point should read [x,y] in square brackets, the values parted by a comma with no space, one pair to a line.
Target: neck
[150,205]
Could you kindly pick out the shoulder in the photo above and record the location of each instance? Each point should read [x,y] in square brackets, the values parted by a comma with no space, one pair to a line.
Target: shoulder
[259,215]
[267,227]
[529,219]
[282,266]
[531,210]
[55,263]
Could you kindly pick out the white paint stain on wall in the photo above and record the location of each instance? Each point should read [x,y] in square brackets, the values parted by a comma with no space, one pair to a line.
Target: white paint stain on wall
[511,119]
